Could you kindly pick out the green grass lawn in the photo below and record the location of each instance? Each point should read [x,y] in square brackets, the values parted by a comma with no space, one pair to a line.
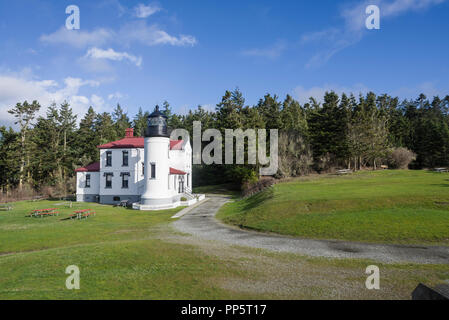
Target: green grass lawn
[392,206]
[118,253]
[126,254]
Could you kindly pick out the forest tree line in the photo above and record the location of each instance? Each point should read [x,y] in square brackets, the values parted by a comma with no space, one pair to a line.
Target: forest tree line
[342,131]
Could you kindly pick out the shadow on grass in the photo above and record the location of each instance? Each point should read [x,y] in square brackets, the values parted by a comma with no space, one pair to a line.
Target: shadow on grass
[258,199]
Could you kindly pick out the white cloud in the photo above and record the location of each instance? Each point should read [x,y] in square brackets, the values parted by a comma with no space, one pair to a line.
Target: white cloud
[429,88]
[152,35]
[78,38]
[143,11]
[110,54]
[18,87]
[134,32]
[303,94]
[271,53]
[95,65]
[116,95]
[335,39]
[97,102]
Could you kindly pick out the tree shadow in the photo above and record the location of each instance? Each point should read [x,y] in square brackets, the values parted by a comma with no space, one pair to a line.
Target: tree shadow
[257,199]
[444,185]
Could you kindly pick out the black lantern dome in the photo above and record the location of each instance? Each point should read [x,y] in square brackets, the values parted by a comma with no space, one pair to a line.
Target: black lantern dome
[157,124]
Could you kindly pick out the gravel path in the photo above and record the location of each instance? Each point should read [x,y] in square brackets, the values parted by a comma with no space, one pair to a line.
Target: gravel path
[201,222]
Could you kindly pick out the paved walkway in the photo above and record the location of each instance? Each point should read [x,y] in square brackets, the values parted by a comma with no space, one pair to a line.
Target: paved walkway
[201,222]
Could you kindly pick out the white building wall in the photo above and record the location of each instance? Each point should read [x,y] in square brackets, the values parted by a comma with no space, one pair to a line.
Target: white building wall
[182,160]
[166,185]
[135,178]
[157,153]
[87,194]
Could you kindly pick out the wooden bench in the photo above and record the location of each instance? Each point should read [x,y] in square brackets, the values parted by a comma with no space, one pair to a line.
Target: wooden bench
[82,214]
[6,207]
[344,171]
[43,213]
[38,198]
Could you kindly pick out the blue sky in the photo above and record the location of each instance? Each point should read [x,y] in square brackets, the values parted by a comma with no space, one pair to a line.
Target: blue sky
[141,53]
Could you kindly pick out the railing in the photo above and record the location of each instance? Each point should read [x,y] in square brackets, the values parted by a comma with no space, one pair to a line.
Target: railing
[188,191]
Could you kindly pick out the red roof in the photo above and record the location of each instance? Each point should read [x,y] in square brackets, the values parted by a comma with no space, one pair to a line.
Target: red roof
[125,143]
[93,167]
[176,144]
[136,142]
[176,171]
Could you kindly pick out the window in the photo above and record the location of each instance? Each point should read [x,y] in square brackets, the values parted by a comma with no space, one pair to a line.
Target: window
[108,158]
[87,181]
[125,180]
[116,198]
[108,177]
[153,171]
[125,158]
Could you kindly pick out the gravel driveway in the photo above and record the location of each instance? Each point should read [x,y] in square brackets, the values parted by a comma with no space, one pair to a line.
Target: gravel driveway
[201,223]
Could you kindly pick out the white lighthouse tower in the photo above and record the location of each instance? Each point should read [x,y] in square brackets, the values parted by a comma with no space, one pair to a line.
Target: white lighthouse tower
[157,169]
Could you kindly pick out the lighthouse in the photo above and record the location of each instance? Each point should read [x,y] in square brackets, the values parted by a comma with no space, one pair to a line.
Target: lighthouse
[152,172]
[156,166]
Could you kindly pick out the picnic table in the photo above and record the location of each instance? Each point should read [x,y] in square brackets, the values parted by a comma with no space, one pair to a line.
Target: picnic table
[82,214]
[344,171]
[44,213]
[440,169]
[68,204]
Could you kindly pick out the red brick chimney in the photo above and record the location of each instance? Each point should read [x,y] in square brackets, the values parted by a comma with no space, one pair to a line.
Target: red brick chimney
[129,133]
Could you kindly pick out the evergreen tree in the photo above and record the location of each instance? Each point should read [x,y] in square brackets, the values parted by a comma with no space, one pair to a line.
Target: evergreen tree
[86,139]
[10,155]
[121,121]
[328,131]
[24,114]
[105,129]
[140,122]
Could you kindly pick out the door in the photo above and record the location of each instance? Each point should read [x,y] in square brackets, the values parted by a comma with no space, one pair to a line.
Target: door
[181,184]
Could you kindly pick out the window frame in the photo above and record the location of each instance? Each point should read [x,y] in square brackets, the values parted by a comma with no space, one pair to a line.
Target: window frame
[108,158]
[152,170]
[106,175]
[123,158]
[87,182]
[123,175]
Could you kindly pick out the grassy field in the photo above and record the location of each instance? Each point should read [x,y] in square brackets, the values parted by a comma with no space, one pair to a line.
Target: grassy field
[118,251]
[126,254]
[390,206]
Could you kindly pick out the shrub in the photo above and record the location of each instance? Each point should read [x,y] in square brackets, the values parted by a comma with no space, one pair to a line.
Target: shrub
[183,199]
[295,156]
[400,158]
[250,188]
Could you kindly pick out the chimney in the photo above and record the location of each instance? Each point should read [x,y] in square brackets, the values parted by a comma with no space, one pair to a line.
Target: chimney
[129,133]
